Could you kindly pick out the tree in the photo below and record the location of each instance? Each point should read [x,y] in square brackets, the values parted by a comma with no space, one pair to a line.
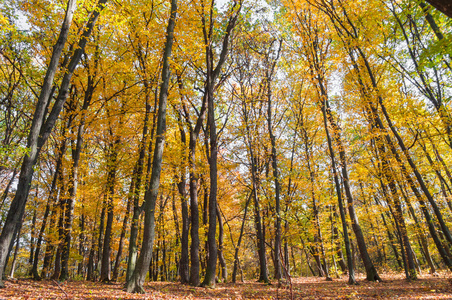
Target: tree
[135,283]
[41,127]
[212,74]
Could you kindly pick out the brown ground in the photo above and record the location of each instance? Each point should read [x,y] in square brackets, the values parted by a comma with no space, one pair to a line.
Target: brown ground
[393,287]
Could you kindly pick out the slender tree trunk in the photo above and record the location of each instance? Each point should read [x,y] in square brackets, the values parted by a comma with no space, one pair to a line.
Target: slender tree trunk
[123,232]
[34,269]
[73,184]
[391,239]
[135,283]
[318,75]
[48,254]
[100,237]
[274,163]
[236,253]
[105,272]
[57,266]
[420,232]
[184,258]
[82,251]
[184,268]
[336,242]
[137,209]
[32,239]
[40,128]
[50,202]
[178,237]
[194,214]
[212,74]
[90,267]
[394,202]
[318,250]
[209,279]
[34,142]
[224,268]
[16,251]
[263,273]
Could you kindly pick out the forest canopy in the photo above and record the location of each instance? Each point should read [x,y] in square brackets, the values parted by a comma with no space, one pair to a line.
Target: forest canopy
[202,141]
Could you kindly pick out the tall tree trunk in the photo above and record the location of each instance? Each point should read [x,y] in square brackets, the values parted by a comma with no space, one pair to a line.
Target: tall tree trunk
[194,211]
[105,271]
[34,269]
[50,202]
[57,266]
[236,253]
[184,258]
[209,279]
[193,183]
[178,237]
[48,254]
[91,257]
[396,210]
[420,232]
[136,177]
[184,268]
[318,250]
[212,74]
[123,232]
[391,238]
[335,240]
[135,283]
[100,237]
[34,142]
[81,248]
[249,141]
[40,128]
[318,75]
[73,183]
[263,272]
[274,162]
[351,271]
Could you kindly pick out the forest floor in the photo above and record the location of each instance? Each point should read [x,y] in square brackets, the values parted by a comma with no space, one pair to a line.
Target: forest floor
[392,287]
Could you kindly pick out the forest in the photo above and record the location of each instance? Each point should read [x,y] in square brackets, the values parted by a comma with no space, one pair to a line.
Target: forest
[206,142]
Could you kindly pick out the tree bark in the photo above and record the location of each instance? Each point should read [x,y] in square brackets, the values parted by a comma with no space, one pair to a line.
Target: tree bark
[212,73]
[263,273]
[236,254]
[16,251]
[135,283]
[136,177]
[34,142]
[40,128]
[105,272]
[445,6]
[123,231]
[50,202]
[73,183]
[269,75]
[224,268]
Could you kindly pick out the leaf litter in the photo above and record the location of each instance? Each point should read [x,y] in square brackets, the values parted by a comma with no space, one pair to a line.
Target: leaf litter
[394,286]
